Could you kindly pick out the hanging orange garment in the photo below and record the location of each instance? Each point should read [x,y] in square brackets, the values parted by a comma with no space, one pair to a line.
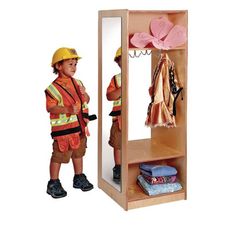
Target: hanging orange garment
[160,111]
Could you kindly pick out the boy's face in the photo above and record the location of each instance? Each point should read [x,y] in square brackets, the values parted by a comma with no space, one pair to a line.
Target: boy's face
[118,61]
[67,68]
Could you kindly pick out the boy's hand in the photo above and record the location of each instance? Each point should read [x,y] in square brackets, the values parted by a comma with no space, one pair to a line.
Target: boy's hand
[75,108]
[119,92]
[150,90]
[82,90]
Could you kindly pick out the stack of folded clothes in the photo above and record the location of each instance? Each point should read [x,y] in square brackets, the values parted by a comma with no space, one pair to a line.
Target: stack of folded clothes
[158,179]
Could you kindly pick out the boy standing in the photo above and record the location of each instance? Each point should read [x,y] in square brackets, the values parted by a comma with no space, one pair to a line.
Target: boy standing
[66,101]
[114,94]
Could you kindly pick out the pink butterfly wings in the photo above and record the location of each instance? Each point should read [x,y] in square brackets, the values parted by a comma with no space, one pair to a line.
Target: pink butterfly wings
[160,27]
[140,40]
[165,35]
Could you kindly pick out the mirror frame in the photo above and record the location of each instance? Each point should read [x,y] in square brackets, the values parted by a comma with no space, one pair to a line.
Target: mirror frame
[119,196]
[111,41]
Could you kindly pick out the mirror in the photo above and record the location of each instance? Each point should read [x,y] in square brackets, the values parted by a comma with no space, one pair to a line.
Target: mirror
[111,41]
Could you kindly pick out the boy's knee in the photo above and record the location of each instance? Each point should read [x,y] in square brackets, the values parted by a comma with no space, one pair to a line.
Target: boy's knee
[61,158]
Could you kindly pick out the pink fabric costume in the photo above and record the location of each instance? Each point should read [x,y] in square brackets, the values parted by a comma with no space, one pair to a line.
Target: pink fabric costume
[164,36]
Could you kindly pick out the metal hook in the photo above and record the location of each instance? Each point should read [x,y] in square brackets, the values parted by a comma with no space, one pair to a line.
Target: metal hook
[136,55]
[146,52]
[132,56]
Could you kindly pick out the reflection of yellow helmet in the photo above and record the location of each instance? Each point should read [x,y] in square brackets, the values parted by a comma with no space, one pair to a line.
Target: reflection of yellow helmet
[63,54]
[118,53]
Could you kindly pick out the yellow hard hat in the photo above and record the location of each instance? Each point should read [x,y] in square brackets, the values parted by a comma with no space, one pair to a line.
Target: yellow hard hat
[118,53]
[63,54]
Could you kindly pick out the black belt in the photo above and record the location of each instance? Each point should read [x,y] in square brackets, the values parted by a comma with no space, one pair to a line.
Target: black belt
[115,113]
[66,131]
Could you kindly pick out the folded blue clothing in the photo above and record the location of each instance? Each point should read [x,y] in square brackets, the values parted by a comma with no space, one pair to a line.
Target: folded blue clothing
[157,188]
[157,170]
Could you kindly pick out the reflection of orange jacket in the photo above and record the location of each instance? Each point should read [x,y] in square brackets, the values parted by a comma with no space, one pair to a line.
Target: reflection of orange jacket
[66,128]
[116,110]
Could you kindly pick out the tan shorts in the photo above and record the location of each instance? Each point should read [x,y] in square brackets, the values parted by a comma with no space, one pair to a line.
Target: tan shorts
[64,157]
[115,136]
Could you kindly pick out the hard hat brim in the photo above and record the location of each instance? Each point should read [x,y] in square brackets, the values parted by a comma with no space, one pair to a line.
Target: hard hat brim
[76,57]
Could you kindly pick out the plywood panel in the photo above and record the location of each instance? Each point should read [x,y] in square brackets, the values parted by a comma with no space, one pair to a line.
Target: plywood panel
[175,137]
[164,198]
[146,150]
[139,21]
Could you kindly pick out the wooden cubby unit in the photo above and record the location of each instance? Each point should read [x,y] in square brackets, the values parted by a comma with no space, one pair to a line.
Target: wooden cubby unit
[166,145]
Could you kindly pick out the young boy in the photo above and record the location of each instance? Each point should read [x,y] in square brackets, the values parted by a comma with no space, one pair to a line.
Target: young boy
[66,101]
[114,94]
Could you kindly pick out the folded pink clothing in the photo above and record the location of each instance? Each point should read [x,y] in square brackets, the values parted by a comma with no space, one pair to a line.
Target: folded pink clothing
[160,179]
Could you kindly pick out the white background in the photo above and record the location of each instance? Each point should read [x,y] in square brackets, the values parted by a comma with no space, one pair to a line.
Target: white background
[30,33]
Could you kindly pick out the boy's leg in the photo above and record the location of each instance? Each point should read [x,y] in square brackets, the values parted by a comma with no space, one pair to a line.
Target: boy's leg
[54,170]
[78,165]
[80,180]
[54,187]
[117,154]
[115,142]
[117,167]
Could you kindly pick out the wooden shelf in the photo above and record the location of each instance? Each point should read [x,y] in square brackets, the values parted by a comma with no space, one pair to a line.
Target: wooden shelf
[132,48]
[137,198]
[145,150]
[151,47]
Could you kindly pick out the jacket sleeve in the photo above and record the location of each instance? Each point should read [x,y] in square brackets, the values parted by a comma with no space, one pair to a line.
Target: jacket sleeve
[112,86]
[50,100]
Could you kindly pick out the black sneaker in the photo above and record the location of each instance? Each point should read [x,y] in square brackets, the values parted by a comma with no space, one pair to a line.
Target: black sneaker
[55,189]
[80,181]
[116,174]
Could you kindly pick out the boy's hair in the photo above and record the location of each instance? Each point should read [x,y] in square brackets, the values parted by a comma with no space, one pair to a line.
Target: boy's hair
[117,59]
[55,70]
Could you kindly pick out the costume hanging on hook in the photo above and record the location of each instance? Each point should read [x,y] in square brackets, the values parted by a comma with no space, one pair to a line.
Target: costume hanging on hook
[164,92]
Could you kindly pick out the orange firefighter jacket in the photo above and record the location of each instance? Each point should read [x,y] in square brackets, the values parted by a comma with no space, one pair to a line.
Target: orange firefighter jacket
[66,128]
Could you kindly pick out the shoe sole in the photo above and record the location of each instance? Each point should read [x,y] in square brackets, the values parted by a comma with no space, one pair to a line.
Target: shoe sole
[53,196]
[117,181]
[84,190]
